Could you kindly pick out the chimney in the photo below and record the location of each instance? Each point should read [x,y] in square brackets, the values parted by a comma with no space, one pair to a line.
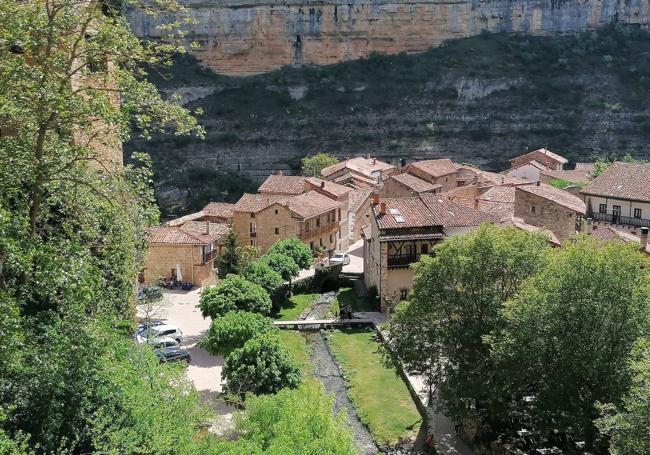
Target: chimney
[279,172]
[382,208]
[322,184]
[538,182]
[374,161]
[644,237]
[375,199]
[207,227]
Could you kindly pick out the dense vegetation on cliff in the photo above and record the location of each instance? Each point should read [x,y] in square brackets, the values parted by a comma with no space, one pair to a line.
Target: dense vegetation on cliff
[480,100]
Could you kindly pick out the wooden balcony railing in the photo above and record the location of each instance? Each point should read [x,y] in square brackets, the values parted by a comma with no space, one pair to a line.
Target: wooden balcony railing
[318,231]
[401,261]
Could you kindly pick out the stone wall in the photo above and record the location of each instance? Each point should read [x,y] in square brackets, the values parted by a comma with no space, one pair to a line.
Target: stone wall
[247,37]
[163,258]
[542,212]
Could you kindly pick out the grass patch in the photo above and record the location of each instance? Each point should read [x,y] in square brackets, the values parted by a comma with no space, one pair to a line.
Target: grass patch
[299,349]
[292,308]
[347,296]
[380,396]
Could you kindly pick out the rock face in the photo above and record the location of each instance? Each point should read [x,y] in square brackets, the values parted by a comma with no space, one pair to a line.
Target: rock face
[241,37]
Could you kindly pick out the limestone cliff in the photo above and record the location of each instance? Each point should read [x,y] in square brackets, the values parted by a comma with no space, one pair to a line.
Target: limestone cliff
[253,36]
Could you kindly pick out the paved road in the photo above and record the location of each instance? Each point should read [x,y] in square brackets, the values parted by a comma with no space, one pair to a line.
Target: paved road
[356,258]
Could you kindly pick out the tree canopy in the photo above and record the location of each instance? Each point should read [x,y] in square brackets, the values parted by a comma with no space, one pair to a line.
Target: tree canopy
[312,165]
[295,249]
[232,330]
[261,273]
[234,293]
[282,264]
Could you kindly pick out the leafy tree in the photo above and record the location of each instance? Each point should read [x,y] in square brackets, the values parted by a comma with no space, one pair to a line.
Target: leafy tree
[261,366]
[312,165]
[457,295]
[569,329]
[261,273]
[247,254]
[627,424]
[564,183]
[234,293]
[228,262]
[281,264]
[293,421]
[232,330]
[295,249]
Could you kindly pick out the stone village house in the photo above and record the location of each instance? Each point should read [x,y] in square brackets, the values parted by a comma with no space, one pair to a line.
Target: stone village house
[404,229]
[359,172]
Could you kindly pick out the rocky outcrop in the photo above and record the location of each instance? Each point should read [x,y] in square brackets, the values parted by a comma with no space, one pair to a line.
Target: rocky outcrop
[253,36]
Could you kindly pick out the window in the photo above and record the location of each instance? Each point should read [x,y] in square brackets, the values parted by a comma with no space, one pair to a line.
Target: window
[311,245]
[252,227]
[616,210]
[277,231]
[424,248]
[637,213]
[307,226]
[533,209]
[320,242]
[252,215]
[253,242]
[602,208]
[403,294]
[331,240]
[317,222]
[339,214]
[276,211]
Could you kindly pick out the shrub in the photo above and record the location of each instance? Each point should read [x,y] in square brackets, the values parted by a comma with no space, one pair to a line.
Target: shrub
[234,293]
[261,366]
[296,250]
[232,330]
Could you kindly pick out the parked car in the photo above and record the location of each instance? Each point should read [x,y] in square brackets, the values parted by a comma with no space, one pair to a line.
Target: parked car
[151,334]
[340,258]
[146,324]
[163,343]
[173,355]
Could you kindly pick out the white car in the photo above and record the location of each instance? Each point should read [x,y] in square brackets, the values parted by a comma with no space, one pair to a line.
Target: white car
[157,333]
[340,258]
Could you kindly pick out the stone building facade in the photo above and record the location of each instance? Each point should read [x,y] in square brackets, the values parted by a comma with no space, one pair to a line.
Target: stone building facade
[436,172]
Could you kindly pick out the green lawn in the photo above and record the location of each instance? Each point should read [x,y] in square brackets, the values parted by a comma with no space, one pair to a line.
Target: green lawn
[293,307]
[380,396]
[299,349]
[347,296]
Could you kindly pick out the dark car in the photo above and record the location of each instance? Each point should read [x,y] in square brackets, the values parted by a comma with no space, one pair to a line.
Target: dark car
[173,355]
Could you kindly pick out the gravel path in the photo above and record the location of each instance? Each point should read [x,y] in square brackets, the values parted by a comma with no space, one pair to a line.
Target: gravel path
[327,371]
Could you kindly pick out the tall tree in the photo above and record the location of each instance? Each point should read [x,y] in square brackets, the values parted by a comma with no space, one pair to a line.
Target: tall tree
[569,329]
[312,165]
[296,250]
[457,295]
[234,293]
[229,261]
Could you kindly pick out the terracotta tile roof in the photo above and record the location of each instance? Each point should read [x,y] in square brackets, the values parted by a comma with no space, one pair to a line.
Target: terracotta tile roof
[572,176]
[221,209]
[331,188]
[608,234]
[486,177]
[415,183]
[193,233]
[184,219]
[435,168]
[256,202]
[359,164]
[427,210]
[520,224]
[499,194]
[535,164]
[357,198]
[548,153]
[498,201]
[283,184]
[622,181]
[311,203]
[427,236]
[585,166]
[356,180]
[561,197]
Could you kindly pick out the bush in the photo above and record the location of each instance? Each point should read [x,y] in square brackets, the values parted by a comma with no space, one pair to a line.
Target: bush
[296,250]
[232,330]
[234,293]
[260,273]
[261,366]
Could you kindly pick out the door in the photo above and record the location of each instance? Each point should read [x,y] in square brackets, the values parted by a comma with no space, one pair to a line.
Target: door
[616,214]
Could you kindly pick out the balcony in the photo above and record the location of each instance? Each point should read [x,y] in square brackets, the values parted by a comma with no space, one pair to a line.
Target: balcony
[402,261]
[622,220]
[315,233]
[207,257]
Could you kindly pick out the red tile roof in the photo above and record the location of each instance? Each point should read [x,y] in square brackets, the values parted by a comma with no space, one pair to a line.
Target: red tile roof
[498,201]
[608,233]
[311,203]
[192,233]
[554,156]
[283,184]
[331,188]
[427,210]
[415,183]
[435,168]
[359,164]
[220,209]
[561,197]
[622,181]
[520,224]
[256,202]
[357,198]
[576,176]
[535,164]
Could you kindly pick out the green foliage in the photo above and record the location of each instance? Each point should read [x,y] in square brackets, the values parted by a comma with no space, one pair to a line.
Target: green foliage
[228,261]
[627,424]
[295,249]
[261,366]
[569,329]
[294,421]
[292,307]
[457,296]
[282,264]
[563,183]
[312,165]
[260,273]
[234,293]
[232,330]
